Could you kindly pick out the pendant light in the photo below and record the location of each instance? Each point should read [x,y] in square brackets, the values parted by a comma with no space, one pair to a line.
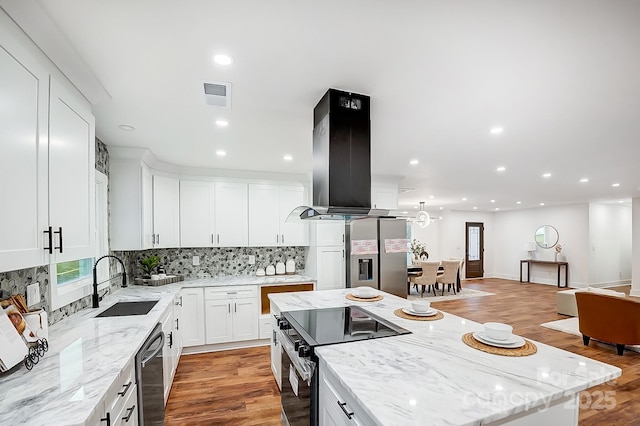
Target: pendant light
[422,217]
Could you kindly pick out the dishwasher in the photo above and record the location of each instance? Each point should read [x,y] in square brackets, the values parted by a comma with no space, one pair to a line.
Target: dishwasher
[149,376]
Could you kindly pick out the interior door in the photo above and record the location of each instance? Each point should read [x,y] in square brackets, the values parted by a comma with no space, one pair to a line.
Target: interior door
[474,257]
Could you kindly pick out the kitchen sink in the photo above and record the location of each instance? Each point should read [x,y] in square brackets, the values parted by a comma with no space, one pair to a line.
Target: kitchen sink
[123,309]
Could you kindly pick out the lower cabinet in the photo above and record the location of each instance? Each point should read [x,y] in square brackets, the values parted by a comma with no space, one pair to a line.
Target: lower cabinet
[231,314]
[276,354]
[172,346]
[336,406]
[192,318]
[121,403]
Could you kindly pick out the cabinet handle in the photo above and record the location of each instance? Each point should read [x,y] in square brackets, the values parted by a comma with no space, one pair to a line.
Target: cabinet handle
[343,253]
[344,410]
[232,292]
[129,413]
[212,239]
[180,302]
[157,238]
[107,419]
[50,238]
[218,238]
[59,232]
[229,307]
[277,239]
[153,239]
[177,324]
[343,238]
[282,238]
[235,307]
[124,391]
[170,340]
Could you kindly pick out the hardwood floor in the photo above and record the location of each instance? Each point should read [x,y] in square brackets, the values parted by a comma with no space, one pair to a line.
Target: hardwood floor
[237,387]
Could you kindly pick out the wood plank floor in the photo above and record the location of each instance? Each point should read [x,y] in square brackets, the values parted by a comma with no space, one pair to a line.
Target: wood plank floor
[237,387]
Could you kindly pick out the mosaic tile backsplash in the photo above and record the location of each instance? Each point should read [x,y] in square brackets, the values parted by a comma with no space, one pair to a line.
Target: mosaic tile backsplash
[216,261]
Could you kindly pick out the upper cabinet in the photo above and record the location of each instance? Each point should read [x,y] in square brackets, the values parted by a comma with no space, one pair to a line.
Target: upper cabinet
[197,204]
[47,158]
[269,207]
[166,212]
[231,215]
[384,197]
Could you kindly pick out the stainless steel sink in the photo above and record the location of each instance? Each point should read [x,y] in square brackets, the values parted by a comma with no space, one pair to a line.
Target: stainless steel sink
[123,309]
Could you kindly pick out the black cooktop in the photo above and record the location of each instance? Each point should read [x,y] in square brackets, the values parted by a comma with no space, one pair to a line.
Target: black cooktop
[338,325]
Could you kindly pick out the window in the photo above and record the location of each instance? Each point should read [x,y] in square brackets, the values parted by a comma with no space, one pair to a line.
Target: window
[70,281]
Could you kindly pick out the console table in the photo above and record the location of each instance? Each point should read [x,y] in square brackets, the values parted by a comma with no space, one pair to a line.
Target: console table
[546,262]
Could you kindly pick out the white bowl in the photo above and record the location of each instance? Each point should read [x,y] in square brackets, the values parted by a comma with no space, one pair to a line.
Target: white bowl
[364,292]
[420,306]
[498,330]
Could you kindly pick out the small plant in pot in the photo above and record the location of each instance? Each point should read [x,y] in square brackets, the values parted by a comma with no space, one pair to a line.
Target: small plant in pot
[148,265]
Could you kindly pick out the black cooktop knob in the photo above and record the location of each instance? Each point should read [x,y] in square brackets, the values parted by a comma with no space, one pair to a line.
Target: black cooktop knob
[304,351]
[284,324]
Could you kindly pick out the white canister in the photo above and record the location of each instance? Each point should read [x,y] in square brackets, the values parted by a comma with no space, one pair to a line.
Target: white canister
[291,267]
[270,270]
[280,268]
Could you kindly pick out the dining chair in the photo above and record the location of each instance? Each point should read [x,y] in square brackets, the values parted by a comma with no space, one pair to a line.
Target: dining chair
[461,260]
[449,275]
[429,276]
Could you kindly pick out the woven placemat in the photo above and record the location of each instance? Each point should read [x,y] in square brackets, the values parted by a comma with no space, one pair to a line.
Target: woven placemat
[528,348]
[360,299]
[399,313]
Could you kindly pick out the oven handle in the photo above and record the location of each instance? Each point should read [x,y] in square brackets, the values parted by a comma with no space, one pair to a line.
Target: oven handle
[305,368]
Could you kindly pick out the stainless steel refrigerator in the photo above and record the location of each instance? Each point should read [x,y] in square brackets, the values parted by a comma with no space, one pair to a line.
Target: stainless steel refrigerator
[384,271]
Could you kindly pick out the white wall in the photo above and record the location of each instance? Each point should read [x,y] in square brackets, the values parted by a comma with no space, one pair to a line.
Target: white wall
[512,229]
[635,281]
[610,230]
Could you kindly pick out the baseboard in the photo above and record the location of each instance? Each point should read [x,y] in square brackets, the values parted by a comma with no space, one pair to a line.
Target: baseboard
[225,346]
[606,284]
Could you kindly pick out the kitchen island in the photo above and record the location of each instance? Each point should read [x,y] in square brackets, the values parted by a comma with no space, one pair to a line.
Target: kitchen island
[432,377]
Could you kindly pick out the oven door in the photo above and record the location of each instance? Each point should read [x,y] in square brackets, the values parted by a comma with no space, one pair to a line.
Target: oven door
[298,396]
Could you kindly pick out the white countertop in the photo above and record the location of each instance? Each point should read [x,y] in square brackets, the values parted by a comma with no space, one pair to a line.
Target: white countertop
[86,354]
[432,377]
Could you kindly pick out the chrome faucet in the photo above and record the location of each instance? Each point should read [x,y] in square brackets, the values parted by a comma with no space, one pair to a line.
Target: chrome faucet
[96,298]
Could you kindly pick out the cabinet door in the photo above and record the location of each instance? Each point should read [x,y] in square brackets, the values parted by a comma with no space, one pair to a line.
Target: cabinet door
[329,233]
[245,319]
[192,322]
[276,355]
[166,211]
[196,214]
[219,327]
[71,175]
[167,359]
[384,198]
[24,89]
[231,215]
[146,195]
[177,332]
[292,234]
[331,270]
[264,218]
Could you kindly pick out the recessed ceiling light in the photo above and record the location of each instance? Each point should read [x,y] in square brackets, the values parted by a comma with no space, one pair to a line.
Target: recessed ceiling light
[546,175]
[415,207]
[405,212]
[501,169]
[497,208]
[287,157]
[126,128]
[220,153]
[431,196]
[496,130]
[615,185]
[475,208]
[223,59]
[542,204]
[518,202]
[584,180]
[442,208]
[222,123]
[464,199]
[493,201]
[621,201]
[413,162]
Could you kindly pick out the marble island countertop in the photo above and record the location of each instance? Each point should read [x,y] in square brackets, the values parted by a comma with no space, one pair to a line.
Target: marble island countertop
[432,377]
[86,354]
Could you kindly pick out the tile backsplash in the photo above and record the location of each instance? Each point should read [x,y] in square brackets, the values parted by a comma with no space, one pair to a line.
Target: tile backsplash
[215,261]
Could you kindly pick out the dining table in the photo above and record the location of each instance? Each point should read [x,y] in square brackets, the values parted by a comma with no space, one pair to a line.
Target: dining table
[414,271]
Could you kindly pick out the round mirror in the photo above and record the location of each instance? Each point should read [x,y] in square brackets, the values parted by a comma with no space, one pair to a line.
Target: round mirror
[546,236]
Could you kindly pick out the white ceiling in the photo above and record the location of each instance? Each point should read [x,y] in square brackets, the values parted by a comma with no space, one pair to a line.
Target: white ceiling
[561,77]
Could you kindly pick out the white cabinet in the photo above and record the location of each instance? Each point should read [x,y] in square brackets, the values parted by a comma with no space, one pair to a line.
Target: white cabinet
[177,332]
[384,197]
[331,268]
[120,403]
[192,321]
[24,90]
[166,212]
[328,233]
[269,207]
[231,314]
[231,214]
[276,354]
[47,165]
[131,202]
[197,204]
[169,352]
[336,406]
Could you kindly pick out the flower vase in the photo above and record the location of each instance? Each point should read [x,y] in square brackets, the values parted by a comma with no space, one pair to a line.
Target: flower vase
[415,260]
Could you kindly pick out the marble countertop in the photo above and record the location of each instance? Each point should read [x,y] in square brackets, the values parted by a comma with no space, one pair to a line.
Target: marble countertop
[86,354]
[432,377]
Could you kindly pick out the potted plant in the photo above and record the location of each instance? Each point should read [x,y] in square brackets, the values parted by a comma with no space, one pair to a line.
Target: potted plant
[419,251]
[148,264]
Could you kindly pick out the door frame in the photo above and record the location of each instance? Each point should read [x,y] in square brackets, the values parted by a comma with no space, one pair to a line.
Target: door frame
[466,248]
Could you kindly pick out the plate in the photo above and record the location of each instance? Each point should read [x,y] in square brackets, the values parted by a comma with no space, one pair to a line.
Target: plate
[371,296]
[514,342]
[431,312]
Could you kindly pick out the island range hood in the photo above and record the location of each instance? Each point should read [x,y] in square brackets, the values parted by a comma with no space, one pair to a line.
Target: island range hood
[341,159]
